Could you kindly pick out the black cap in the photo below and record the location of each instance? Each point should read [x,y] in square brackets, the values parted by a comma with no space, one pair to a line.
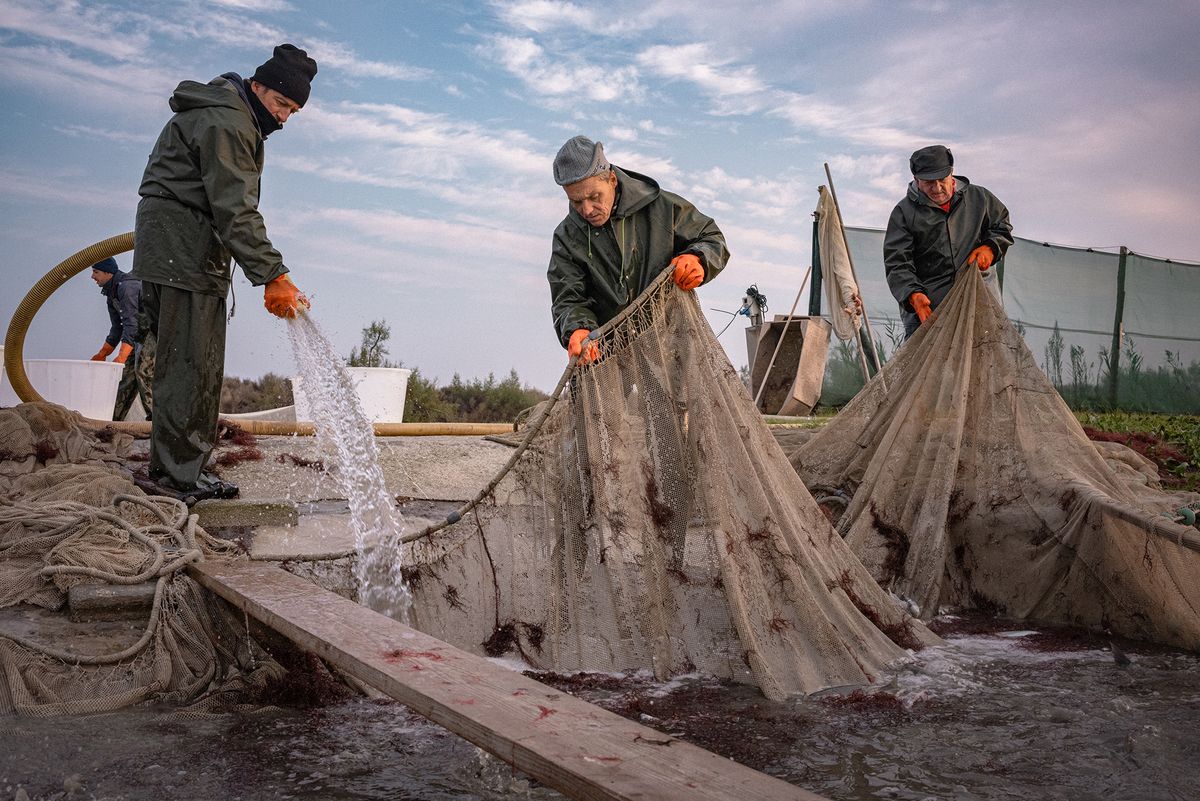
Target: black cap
[108,265]
[931,163]
[288,71]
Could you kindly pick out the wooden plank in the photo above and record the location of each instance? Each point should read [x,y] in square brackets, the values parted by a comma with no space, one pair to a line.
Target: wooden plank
[810,369]
[577,748]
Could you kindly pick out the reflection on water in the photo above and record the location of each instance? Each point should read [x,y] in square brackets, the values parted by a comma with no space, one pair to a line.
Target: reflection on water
[988,716]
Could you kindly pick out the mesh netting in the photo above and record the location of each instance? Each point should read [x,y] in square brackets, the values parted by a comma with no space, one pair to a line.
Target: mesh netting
[654,523]
[971,484]
[64,524]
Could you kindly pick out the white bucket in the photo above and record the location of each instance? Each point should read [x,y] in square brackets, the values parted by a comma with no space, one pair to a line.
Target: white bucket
[381,391]
[88,387]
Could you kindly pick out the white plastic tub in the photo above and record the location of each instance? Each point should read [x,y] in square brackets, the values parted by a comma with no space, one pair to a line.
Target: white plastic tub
[88,387]
[381,391]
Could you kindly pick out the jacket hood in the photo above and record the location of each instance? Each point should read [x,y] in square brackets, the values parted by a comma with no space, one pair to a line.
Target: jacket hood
[917,196]
[637,192]
[220,92]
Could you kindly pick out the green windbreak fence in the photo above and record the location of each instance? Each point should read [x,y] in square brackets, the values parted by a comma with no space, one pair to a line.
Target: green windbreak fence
[1111,330]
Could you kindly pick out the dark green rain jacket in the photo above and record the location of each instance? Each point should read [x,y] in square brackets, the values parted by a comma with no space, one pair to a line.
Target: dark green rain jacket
[200,195]
[924,246]
[595,272]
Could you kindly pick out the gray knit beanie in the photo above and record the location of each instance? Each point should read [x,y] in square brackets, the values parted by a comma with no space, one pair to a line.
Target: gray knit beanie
[578,159]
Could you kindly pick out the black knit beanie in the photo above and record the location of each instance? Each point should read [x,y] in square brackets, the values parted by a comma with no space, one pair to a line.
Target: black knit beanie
[288,71]
[108,265]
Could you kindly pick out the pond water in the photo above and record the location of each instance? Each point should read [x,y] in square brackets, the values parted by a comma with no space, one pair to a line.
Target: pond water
[993,714]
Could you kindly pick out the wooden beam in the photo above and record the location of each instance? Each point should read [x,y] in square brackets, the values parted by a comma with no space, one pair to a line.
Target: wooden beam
[577,748]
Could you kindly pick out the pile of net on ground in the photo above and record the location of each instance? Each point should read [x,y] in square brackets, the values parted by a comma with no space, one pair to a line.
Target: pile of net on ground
[971,484]
[69,516]
[653,523]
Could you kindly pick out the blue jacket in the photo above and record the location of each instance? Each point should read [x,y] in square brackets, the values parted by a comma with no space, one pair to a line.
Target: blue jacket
[123,295]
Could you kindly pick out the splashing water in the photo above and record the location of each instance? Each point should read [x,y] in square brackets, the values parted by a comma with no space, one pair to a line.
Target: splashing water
[344,430]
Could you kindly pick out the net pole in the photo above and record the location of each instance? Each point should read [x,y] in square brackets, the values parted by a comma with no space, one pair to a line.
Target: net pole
[1114,354]
[767,373]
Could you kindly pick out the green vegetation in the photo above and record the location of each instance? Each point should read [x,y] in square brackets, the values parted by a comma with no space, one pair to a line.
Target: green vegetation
[1171,388]
[1172,441]
[240,395]
[475,401]
[372,352]
[1085,383]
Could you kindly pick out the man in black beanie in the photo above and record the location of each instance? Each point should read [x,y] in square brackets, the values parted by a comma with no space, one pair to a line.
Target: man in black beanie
[199,208]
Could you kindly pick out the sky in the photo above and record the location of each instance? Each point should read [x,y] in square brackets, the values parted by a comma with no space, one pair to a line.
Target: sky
[415,187]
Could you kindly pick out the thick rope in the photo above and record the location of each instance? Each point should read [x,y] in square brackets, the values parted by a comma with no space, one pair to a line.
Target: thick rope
[69,520]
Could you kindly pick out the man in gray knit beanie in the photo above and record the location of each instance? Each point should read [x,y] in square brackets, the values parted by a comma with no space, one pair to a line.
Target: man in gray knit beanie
[620,232]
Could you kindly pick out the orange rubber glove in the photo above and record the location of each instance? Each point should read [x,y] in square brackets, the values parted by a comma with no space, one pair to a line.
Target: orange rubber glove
[123,353]
[102,354]
[575,346]
[982,257]
[689,273]
[921,305]
[282,298]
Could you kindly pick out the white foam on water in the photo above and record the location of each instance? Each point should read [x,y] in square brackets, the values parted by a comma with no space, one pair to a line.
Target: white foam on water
[344,431]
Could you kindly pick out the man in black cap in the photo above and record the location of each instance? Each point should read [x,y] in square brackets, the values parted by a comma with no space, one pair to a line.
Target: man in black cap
[122,297]
[620,233]
[944,222]
[199,208]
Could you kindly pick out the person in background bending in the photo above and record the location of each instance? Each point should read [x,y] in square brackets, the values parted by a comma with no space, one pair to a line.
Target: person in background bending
[621,231]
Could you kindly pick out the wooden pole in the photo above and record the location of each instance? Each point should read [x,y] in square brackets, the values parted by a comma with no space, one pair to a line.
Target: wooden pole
[762,384]
[305,429]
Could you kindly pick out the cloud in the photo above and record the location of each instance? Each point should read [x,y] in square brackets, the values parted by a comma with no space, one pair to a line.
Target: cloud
[58,188]
[620,133]
[88,132]
[861,125]
[340,57]
[546,15]
[696,63]
[415,238]
[435,145]
[80,82]
[260,6]
[653,127]
[100,30]
[567,79]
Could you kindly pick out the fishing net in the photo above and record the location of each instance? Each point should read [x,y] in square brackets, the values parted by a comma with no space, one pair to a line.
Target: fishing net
[653,523]
[967,482]
[66,524]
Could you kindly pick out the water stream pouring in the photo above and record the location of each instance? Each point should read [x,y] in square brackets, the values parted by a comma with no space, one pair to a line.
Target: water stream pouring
[343,430]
